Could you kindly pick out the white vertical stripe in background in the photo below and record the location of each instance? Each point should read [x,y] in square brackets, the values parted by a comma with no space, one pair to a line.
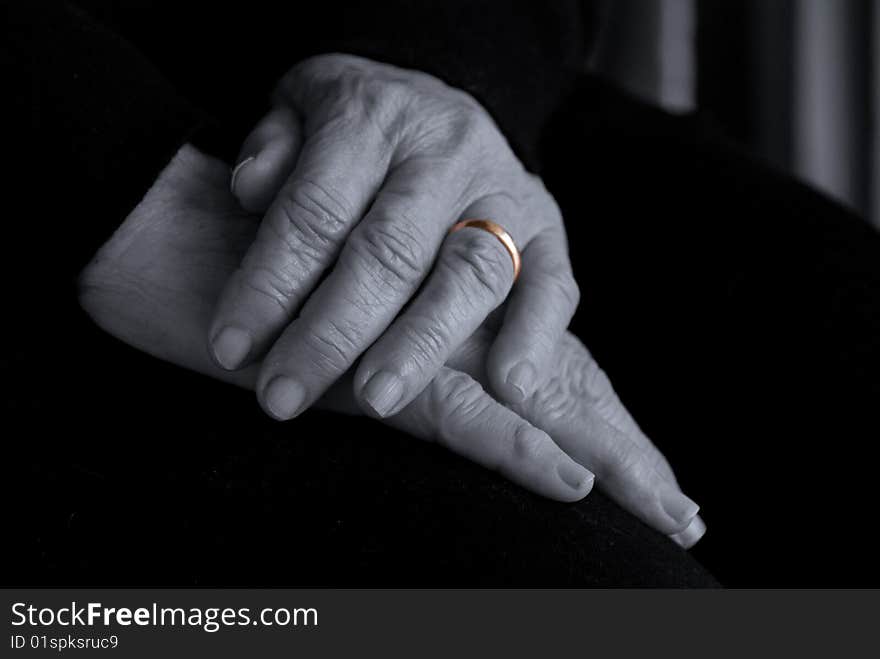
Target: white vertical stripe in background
[824,94]
[678,24]
[649,48]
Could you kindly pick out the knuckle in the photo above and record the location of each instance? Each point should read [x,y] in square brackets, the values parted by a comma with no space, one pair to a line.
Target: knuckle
[453,124]
[372,101]
[392,251]
[624,461]
[366,101]
[314,213]
[317,66]
[286,255]
[580,385]
[320,77]
[576,385]
[456,399]
[572,292]
[469,129]
[528,443]
[382,97]
[471,124]
[560,286]
[477,260]
[333,346]
[427,343]
[555,400]
[461,396]
[595,385]
[268,284]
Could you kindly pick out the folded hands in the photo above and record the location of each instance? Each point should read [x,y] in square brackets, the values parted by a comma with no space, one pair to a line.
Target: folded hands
[328,276]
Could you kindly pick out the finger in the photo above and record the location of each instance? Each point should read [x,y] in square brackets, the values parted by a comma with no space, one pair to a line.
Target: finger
[472,276]
[382,264]
[630,475]
[457,413]
[539,311]
[692,534]
[579,407]
[267,158]
[563,389]
[299,238]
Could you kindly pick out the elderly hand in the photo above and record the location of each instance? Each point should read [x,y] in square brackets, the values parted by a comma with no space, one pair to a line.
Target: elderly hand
[367,167]
[155,282]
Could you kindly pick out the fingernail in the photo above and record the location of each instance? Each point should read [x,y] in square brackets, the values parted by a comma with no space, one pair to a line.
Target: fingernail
[237,171]
[284,396]
[383,392]
[575,476]
[231,346]
[692,534]
[678,506]
[522,379]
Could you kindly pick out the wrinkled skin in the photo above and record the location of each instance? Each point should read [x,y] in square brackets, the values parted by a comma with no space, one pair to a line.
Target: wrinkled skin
[361,169]
[155,282]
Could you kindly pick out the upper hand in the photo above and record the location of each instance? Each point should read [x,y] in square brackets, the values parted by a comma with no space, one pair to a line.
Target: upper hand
[367,166]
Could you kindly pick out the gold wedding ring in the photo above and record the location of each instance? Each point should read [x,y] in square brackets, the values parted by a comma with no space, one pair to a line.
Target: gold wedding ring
[498,231]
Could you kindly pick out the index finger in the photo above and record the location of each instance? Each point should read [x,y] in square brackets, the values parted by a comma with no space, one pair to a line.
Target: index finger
[298,239]
[457,413]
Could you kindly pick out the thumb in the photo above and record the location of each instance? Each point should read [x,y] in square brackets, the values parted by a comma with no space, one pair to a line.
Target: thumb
[266,160]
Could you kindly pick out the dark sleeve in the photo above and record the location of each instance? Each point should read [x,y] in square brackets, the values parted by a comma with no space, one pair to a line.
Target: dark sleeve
[515,56]
[98,124]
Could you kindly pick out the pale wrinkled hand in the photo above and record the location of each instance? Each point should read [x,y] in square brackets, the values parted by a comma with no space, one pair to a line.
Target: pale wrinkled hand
[154,285]
[361,169]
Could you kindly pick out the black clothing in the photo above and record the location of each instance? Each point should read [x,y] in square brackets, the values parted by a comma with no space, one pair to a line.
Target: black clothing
[736,312]
[119,108]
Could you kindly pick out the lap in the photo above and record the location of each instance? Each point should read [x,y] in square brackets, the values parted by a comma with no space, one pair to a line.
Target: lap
[173,478]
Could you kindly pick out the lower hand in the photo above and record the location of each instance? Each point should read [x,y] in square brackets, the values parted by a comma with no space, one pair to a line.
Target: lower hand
[155,282]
